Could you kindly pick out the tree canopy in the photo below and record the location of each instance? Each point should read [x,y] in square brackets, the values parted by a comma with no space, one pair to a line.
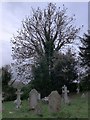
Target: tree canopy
[42,36]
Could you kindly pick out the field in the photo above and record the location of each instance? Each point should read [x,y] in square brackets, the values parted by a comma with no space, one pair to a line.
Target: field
[78,108]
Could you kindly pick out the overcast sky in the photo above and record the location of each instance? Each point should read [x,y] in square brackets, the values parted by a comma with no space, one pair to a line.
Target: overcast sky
[13,13]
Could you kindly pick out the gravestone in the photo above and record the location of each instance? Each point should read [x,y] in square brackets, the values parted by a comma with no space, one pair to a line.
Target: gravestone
[18,100]
[38,109]
[78,90]
[54,102]
[34,97]
[83,95]
[65,94]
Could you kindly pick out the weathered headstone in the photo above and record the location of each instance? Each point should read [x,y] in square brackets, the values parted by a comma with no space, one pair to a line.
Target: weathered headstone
[18,100]
[38,109]
[54,102]
[65,94]
[83,95]
[34,97]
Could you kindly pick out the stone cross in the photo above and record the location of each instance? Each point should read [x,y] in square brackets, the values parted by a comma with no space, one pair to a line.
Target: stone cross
[65,94]
[78,90]
[18,100]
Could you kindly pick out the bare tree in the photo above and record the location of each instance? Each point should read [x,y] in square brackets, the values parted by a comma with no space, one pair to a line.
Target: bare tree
[44,34]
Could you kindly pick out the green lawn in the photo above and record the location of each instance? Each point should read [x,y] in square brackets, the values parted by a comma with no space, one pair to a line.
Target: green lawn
[77,109]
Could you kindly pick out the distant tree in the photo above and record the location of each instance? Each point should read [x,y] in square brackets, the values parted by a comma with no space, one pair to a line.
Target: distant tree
[9,92]
[65,69]
[85,57]
[41,36]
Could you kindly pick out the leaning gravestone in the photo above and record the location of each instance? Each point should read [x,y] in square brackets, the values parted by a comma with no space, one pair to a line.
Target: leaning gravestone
[38,109]
[65,94]
[54,101]
[34,97]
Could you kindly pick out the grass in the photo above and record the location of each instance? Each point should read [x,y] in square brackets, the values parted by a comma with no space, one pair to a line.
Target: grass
[77,109]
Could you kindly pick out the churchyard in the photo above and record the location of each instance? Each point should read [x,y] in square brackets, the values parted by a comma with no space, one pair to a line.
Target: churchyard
[49,74]
[76,108]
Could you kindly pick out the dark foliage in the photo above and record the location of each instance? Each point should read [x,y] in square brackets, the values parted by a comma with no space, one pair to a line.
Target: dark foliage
[85,57]
[64,72]
[8,92]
